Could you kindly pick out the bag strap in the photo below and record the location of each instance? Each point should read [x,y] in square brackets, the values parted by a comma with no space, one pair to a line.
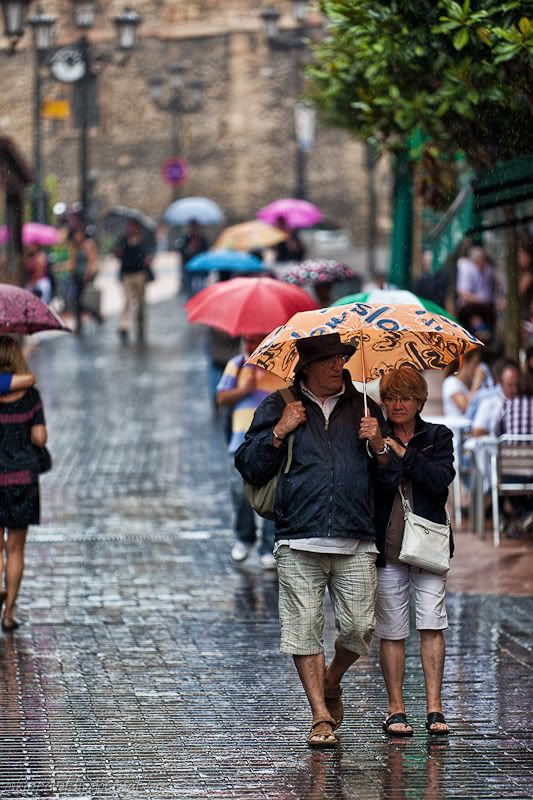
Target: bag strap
[288,396]
[407,507]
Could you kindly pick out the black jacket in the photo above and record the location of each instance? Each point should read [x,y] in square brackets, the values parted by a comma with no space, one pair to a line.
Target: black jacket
[428,465]
[328,490]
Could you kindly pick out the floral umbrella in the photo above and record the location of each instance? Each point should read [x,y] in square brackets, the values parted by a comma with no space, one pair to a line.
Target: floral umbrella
[385,337]
[22,312]
[254,235]
[247,305]
[318,271]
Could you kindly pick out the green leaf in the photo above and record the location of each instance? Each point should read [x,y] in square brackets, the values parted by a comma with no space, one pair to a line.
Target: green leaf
[461,39]
[525,26]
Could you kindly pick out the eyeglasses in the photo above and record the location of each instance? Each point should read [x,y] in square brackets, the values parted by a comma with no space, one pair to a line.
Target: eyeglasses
[332,359]
[404,399]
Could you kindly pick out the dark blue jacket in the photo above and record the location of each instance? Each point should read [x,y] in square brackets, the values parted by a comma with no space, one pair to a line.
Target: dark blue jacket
[328,490]
[428,465]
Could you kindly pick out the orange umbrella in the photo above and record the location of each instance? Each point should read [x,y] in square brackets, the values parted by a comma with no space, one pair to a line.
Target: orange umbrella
[254,235]
[247,305]
[385,337]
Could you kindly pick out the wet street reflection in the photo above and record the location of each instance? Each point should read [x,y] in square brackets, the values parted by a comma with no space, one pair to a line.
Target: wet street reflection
[148,665]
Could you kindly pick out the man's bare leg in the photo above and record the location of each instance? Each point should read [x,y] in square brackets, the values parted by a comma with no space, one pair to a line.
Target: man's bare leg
[311,670]
[341,661]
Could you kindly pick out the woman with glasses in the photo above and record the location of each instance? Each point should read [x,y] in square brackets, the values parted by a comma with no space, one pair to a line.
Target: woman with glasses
[425,452]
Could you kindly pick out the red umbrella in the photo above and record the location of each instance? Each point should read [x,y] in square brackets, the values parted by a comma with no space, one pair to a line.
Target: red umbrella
[23,312]
[247,305]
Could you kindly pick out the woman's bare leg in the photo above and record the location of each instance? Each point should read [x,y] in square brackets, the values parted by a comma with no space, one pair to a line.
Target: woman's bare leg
[14,548]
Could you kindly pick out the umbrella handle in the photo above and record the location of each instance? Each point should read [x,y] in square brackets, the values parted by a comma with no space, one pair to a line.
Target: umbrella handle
[365,399]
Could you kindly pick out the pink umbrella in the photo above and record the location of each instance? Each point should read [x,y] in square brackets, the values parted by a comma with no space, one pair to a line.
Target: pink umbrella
[34,233]
[296,213]
[39,233]
[23,312]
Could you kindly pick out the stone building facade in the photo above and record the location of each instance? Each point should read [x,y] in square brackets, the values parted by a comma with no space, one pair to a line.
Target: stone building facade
[240,146]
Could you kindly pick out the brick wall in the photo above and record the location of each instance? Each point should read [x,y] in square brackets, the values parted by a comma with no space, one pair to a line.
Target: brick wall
[240,146]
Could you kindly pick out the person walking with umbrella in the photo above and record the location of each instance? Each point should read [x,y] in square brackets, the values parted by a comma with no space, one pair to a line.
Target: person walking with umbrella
[242,388]
[22,430]
[191,244]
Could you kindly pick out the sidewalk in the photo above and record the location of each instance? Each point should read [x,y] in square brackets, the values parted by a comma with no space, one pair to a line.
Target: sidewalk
[147,665]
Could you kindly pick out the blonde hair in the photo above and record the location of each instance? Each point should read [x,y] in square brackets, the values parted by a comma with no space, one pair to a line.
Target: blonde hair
[404,381]
[11,356]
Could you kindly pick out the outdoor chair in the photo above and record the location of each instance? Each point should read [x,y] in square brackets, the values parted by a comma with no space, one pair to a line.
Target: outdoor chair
[511,472]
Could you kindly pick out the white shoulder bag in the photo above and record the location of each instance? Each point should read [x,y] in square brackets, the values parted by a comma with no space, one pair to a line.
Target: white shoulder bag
[425,544]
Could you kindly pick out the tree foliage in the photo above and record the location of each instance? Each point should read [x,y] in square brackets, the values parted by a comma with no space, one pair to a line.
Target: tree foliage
[459,74]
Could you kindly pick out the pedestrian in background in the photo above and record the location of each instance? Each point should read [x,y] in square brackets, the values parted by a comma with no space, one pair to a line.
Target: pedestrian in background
[22,429]
[135,257]
[242,388]
[425,454]
[191,244]
[325,535]
[83,266]
[36,266]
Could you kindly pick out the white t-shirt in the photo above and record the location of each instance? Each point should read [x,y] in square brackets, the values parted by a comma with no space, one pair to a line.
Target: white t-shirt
[451,386]
[479,282]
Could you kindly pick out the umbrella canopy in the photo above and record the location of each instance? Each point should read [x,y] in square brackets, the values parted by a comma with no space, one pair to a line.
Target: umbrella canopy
[34,233]
[395,296]
[22,312]
[226,260]
[318,271]
[254,235]
[126,213]
[116,218]
[385,337]
[296,213]
[247,305]
[187,209]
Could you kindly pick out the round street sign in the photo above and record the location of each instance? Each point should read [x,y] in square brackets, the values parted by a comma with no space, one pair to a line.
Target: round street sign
[175,171]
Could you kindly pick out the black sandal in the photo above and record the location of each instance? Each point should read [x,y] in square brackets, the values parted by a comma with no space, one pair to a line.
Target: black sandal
[433,717]
[396,719]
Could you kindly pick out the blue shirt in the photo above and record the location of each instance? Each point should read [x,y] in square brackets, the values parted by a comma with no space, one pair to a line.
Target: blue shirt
[5,382]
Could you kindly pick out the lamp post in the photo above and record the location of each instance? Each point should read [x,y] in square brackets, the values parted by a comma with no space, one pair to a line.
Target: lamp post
[14,12]
[42,28]
[304,115]
[126,24]
[176,96]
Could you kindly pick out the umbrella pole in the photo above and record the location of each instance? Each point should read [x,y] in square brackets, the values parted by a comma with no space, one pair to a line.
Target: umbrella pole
[364,377]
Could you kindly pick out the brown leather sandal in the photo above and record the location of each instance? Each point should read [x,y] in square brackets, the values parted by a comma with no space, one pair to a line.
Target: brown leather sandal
[334,705]
[323,728]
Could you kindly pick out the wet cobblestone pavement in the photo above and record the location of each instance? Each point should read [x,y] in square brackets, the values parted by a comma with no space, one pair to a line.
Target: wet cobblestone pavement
[147,665]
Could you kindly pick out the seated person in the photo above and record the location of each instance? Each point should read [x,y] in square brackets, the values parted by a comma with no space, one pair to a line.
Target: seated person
[459,389]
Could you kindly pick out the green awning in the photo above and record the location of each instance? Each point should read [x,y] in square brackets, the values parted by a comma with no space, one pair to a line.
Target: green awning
[508,183]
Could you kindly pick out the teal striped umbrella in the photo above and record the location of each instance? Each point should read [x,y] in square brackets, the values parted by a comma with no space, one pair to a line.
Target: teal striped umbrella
[396,296]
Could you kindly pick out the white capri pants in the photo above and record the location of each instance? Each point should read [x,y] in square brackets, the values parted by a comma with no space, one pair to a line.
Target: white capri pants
[395,582]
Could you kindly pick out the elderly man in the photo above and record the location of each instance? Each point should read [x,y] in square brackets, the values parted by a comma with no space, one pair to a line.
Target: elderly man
[324,517]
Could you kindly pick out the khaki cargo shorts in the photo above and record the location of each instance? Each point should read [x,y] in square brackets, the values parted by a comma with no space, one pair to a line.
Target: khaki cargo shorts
[303,578]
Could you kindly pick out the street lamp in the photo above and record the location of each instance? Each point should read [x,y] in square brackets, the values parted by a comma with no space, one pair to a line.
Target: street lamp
[126,24]
[304,115]
[176,96]
[42,26]
[14,18]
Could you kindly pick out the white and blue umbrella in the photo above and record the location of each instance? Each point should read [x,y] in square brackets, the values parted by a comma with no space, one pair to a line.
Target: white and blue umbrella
[201,209]
[225,260]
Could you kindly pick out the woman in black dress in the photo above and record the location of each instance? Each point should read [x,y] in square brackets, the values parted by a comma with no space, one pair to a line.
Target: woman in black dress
[22,428]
